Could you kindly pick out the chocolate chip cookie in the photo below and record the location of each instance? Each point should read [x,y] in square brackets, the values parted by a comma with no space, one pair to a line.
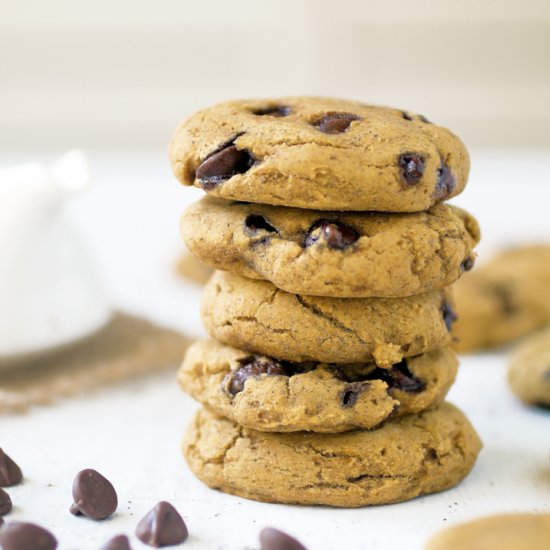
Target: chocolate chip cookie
[503,300]
[503,532]
[258,317]
[320,153]
[273,395]
[351,254]
[411,456]
[529,372]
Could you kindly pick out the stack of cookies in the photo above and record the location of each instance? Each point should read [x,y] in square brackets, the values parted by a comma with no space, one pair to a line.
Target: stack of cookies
[331,313]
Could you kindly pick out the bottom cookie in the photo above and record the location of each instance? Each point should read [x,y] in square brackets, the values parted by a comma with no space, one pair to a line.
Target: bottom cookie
[411,456]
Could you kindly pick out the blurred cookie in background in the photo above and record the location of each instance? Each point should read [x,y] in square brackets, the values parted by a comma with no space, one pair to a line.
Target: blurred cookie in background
[503,300]
[193,270]
[529,370]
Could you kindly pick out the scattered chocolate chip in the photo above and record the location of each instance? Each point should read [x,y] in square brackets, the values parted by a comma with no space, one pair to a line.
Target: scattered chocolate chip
[467,264]
[256,222]
[120,542]
[94,496]
[276,111]
[273,539]
[223,164]
[400,377]
[446,182]
[335,123]
[336,234]
[17,535]
[449,315]
[412,167]
[5,503]
[352,392]
[162,526]
[10,473]
[254,366]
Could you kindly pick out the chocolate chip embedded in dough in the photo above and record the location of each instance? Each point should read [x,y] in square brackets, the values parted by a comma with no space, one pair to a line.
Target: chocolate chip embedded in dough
[446,183]
[257,222]
[412,167]
[275,111]
[449,315]
[254,366]
[336,234]
[335,123]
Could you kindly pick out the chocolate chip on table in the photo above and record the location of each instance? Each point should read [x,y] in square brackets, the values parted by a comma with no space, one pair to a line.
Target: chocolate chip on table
[467,264]
[273,539]
[17,535]
[224,163]
[254,366]
[10,473]
[162,526]
[276,111]
[352,392]
[5,503]
[412,167]
[94,496]
[335,123]
[446,182]
[449,315]
[120,542]
[256,222]
[336,234]
[400,377]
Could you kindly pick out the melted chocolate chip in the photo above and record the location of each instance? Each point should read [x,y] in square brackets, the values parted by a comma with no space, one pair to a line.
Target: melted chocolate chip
[94,496]
[120,542]
[256,222]
[276,111]
[10,473]
[162,526]
[449,315]
[352,392]
[5,503]
[336,234]
[17,535]
[446,182]
[224,163]
[254,366]
[467,264]
[273,539]
[412,167]
[400,377]
[335,123]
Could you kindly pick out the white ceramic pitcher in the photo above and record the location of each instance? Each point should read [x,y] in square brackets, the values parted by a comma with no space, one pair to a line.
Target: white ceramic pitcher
[50,293]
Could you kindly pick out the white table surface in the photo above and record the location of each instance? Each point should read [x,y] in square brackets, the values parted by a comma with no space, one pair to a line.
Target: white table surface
[131,433]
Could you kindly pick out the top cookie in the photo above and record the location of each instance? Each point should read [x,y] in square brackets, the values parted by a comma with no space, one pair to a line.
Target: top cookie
[319,153]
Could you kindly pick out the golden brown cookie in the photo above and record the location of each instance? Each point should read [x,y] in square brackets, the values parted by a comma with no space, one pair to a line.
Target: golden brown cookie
[411,456]
[321,153]
[260,318]
[503,532]
[267,394]
[503,300]
[529,371]
[338,254]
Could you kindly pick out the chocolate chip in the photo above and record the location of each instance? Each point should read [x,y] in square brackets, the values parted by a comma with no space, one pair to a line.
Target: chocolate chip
[400,377]
[162,526]
[120,542]
[412,167]
[222,164]
[256,222]
[94,496]
[449,315]
[10,473]
[17,535]
[352,392]
[5,503]
[446,182]
[507,299]
[335,123]
[276,111]
[406,115]
[254,366]
[424,119]
[336,234]
[273,539]
[467,264]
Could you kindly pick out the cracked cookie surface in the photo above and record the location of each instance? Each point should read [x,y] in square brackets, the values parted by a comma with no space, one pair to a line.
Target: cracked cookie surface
[529,371]
[271,395]
[411,456]
[258,317]
[320,153]
[338,254]
[504,299]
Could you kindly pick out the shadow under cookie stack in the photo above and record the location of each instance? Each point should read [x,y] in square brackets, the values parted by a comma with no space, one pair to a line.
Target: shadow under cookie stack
[325,378]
